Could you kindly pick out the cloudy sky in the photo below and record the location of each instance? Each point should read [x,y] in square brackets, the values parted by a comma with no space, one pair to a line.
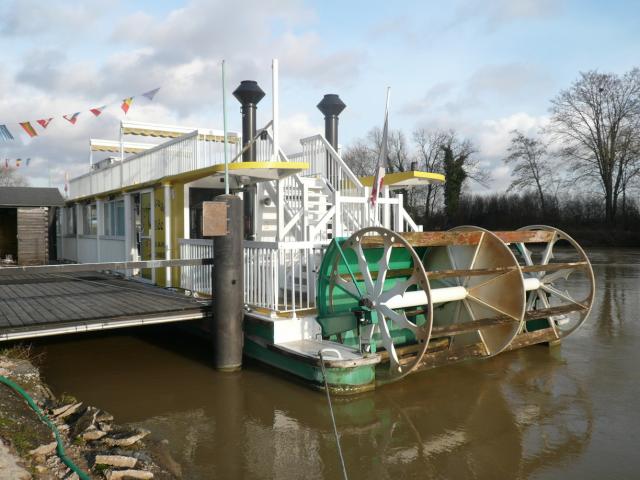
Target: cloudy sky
[482,67]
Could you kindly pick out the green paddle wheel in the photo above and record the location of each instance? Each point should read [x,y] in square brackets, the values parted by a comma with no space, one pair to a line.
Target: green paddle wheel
[423,299]
[357,277]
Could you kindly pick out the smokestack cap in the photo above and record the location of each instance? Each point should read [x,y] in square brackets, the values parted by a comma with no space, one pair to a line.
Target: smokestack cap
[331,105]
[248,92]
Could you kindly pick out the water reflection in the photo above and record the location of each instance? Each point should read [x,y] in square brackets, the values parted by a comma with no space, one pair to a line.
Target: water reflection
[536,412]
[507,419]
[613,301]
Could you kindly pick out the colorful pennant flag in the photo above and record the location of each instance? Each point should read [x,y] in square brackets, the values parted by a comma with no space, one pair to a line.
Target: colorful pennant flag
[72,119]
[29,129]
[5,134]
[18,161]
[151,93]
[126,104]
[97,111]
[44,122]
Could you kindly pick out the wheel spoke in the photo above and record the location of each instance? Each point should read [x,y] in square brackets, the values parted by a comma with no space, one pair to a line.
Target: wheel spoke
[533,296]
[398,289]
[563,295]
[364,268]
[545,302]
[383,267]
[388,343]
[347,287]
[526,253]
[553,276]
[548,252]
[401,320]
[475,253]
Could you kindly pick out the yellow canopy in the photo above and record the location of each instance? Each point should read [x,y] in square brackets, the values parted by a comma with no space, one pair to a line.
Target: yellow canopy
[113,146]
[253,172]
[409,179]
[174,131]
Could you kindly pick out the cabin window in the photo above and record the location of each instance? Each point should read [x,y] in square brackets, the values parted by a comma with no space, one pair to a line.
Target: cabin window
[114,218]
[70,220]
[89,219]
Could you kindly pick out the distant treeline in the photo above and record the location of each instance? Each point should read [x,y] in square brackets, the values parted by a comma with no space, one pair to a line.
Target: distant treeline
[584,218]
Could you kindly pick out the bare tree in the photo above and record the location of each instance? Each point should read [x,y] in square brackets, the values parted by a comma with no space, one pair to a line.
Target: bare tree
[360,158]
[429,157]
[531,168]
[596,119]
[9,177]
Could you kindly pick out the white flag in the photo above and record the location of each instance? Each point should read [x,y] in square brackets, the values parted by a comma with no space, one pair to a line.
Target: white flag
[381,165]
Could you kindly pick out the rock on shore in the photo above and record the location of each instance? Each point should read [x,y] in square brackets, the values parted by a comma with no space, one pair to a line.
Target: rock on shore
[91,439]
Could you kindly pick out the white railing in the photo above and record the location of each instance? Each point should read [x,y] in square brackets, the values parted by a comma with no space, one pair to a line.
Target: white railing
[281,276]
[278,276]
[196,278]
[349,214]
[324,160]
[189,152]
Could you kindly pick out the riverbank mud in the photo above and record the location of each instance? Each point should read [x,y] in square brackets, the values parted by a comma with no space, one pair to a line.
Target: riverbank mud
[91,439]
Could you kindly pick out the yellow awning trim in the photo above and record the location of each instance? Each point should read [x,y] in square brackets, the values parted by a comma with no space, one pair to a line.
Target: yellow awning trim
[412,178]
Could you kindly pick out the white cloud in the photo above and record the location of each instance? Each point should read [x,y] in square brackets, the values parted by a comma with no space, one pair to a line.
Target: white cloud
[22,18]
[493,136]
[180,51]
[295,127]
[497,13]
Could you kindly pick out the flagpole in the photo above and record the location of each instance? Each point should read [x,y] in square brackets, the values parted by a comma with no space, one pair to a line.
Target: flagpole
[381,164]
[226,141]
[386,120]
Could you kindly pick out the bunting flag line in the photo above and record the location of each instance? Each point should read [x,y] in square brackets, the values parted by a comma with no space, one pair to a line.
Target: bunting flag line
[29,129]
[151,93]
[5,134]
[44,122]
[18,161]
[126,104]
[72,119]
[97,111]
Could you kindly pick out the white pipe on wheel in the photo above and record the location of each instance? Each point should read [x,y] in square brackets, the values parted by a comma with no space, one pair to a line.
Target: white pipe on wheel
[419,297]
[442,295]
[532,283]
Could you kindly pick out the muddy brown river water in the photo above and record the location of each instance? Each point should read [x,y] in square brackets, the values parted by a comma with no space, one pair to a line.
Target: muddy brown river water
[570,412]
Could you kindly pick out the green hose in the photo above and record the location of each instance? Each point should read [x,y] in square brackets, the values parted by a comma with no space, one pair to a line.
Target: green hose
[60,448]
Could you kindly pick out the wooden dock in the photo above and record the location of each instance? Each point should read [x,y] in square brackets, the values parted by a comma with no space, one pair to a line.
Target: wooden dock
[43,304]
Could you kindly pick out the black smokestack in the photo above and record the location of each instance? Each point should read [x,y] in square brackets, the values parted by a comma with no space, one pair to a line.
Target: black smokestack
[248,94]
[331,106]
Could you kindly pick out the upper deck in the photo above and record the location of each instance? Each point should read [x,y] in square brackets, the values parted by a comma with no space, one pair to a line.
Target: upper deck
[187,150]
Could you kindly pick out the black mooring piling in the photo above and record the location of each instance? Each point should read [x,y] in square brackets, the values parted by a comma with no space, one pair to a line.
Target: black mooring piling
[228,289]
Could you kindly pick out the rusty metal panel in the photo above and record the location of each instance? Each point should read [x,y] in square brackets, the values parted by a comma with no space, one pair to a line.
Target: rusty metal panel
[214,219]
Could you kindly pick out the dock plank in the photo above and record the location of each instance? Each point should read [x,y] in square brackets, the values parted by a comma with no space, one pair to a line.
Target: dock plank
[44,301]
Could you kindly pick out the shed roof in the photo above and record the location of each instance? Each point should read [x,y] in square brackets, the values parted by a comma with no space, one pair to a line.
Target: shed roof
[30,197]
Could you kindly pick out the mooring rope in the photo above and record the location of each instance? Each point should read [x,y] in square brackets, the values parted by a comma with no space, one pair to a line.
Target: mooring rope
[333,418]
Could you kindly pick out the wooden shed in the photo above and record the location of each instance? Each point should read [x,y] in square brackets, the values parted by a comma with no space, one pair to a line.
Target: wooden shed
[27,224]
